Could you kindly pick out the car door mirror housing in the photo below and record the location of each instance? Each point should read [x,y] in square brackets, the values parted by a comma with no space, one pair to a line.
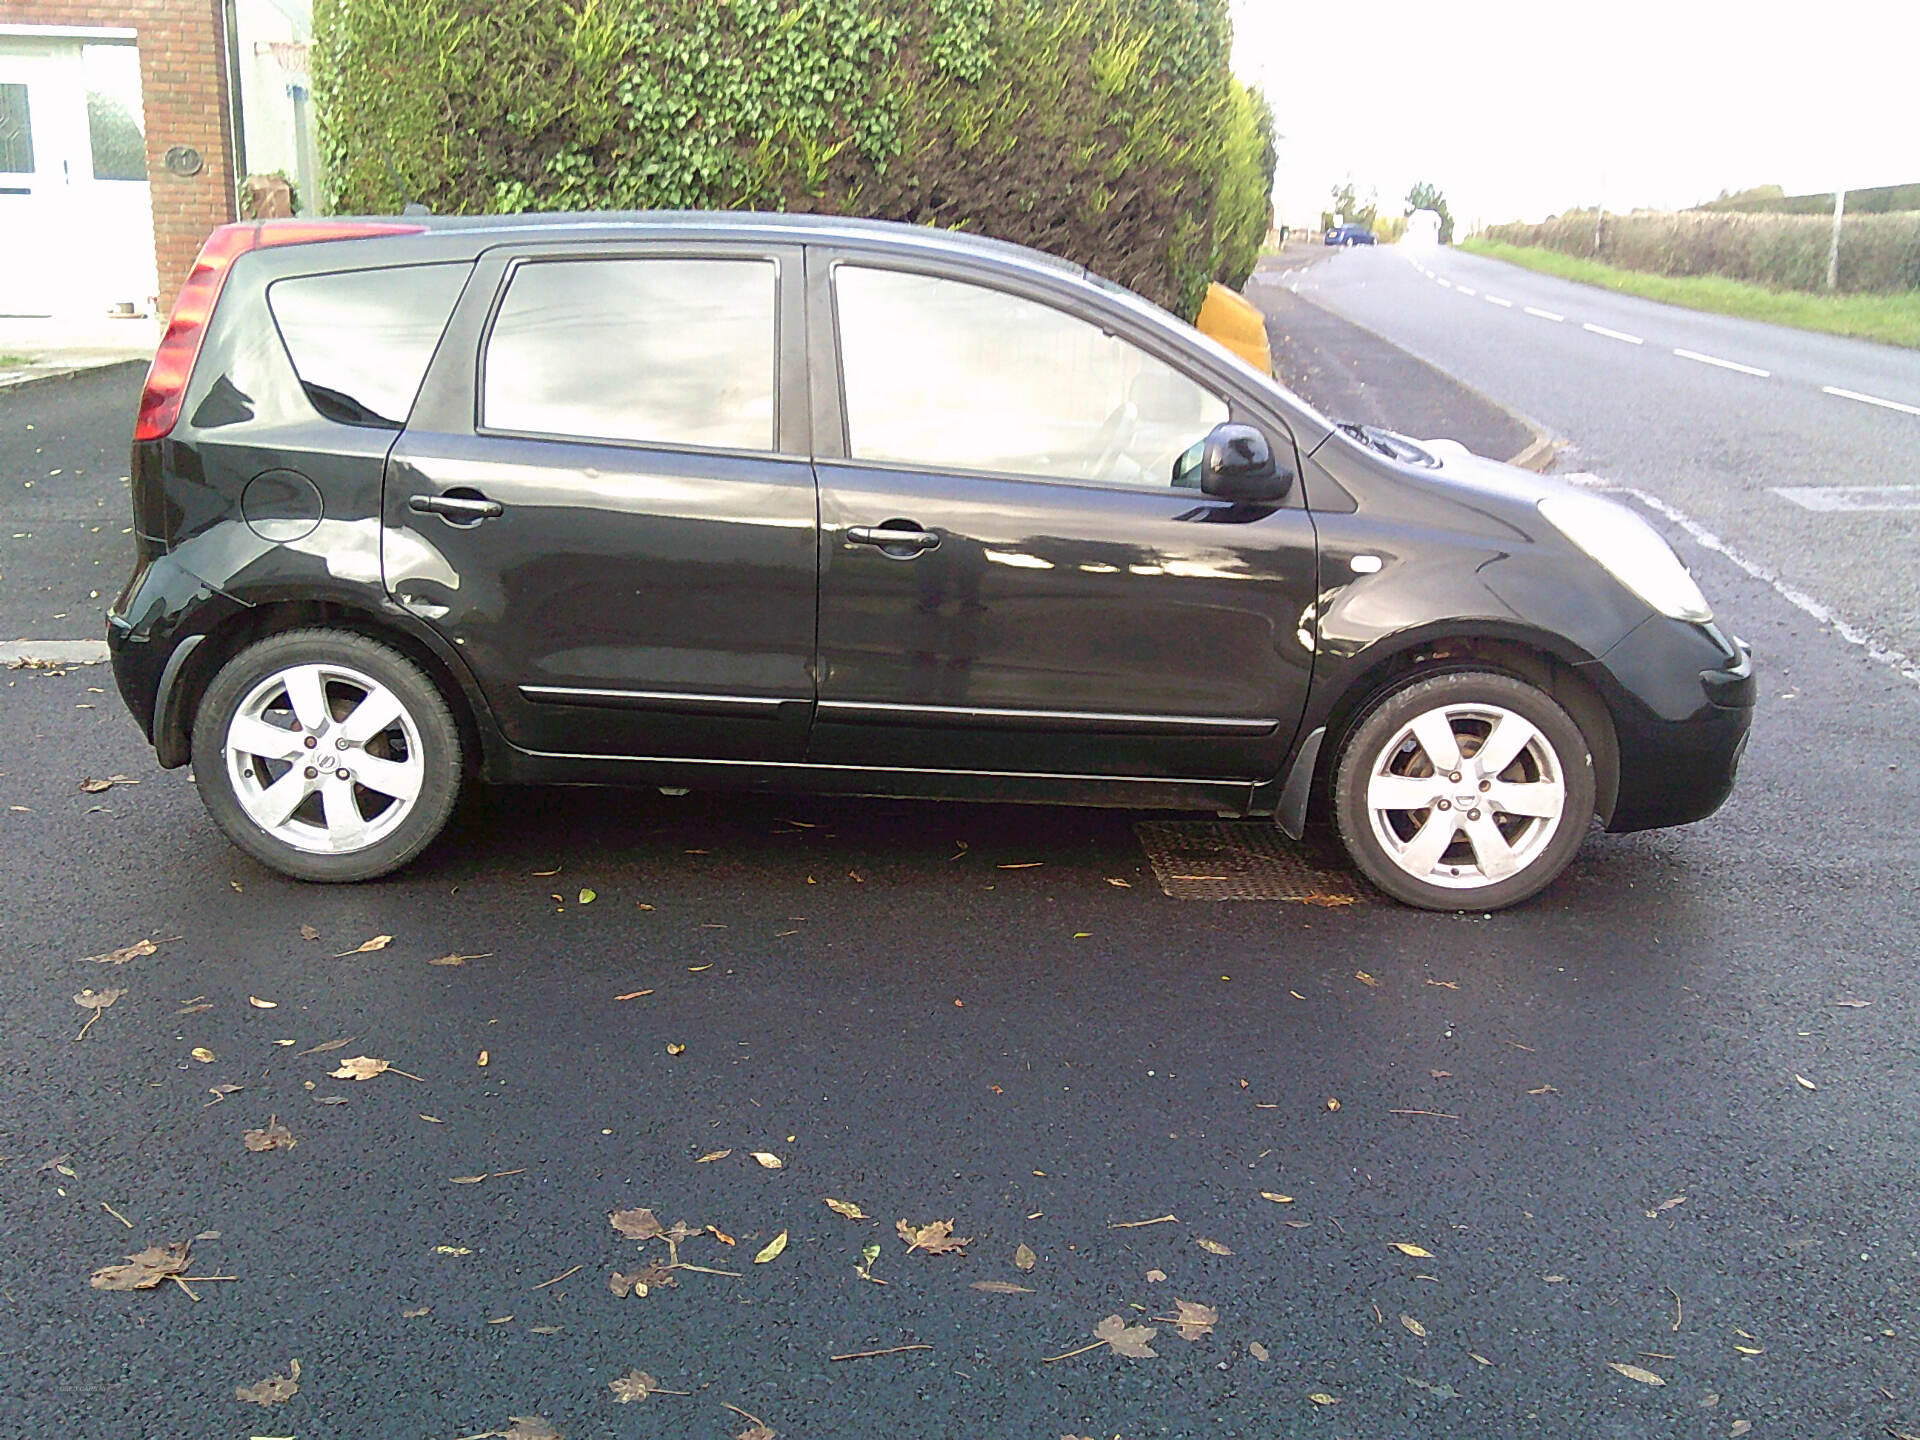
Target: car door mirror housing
[1238,464]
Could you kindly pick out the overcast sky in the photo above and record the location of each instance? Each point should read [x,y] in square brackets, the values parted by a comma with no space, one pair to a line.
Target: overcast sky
[1517,109]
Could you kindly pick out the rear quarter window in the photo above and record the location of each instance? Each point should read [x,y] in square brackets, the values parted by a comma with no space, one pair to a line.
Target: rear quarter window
[360,340]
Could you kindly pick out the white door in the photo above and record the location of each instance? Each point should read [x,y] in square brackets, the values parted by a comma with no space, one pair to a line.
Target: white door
[76,219]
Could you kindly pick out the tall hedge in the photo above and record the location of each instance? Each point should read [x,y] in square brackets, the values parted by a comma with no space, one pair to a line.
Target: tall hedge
[1878,253]
[1108,131]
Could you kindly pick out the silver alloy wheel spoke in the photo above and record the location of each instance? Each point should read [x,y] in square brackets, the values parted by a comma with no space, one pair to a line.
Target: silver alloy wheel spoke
[1510,736]
[1403,792]
[1490,848]
[368,768]
[1542,798]
[1423,852]
[1434,731]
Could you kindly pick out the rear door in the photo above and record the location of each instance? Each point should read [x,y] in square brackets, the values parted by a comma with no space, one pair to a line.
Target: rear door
[1016,575]
[604,499]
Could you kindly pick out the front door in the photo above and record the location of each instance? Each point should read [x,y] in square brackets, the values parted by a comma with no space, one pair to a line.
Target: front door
[1013,579]
[623,546]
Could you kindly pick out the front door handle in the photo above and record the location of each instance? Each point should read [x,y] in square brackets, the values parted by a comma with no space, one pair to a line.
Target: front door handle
[900,544]
[457,507]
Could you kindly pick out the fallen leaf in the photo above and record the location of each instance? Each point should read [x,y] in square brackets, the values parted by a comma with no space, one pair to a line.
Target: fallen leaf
[1128,1340]
[587,897]
[1804,1083]
[274,1390]
[1320,1397]
[633,995]
[1853,1004]
[1364,978]
[145,1270]
[202,1054]
[339,1044]
[637,1224]
[544,1329]
[257,1003]
[717,1233]
[99,787]
[1023,1258]
[501,1320]
[935,1238]
[91,999]
[274,1137]
[307,932]
[329,1099]
[193,1009]
[1332,1104]
[1740,1427]
[123,954]
[482,1061]
[1416,1251]
[222,1091]
[1478,1358]
[1212,1247]
[1154,1277]
[451,1250]
[1749,1350]
[1258,1351]
[1441,1074]
[768,1160]
[1634,1372]
[1556,1279]
[846,1208]
[1194,1319]
[676,1049]
[1002,1287]
[1414,1327]
[637,1385]
[529,1427]
[360,1067]
[416,1313]
[756,1431]
[1123,884]
[378,942]
[465,1179]
[772,1249]
[1665,1205]
[1439,1392]
[713,1155]
[1276,1197]
[459,959]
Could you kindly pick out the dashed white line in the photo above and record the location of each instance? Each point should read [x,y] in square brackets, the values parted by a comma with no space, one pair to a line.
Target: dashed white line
[1496,300]
[1896,660]
[1870,399]
[1613,334]
[1723,364]
[1543,314]
[1444,284]
[1465,291]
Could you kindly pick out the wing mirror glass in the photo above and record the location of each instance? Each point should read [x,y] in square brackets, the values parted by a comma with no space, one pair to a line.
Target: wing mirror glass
[1238,464]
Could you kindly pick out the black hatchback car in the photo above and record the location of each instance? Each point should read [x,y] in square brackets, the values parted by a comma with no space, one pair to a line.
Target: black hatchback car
[763,501]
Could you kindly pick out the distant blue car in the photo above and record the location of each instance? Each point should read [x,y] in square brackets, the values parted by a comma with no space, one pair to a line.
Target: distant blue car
[1350,235]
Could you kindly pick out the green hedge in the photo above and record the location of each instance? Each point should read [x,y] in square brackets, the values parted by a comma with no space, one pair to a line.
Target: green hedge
[1879,254]
[1109,131]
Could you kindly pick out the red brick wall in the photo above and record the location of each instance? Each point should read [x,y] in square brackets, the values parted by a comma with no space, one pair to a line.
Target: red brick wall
[183,81]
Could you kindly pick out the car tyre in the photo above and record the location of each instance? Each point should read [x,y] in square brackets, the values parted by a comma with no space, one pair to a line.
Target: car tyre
[326,755]
[1467,790]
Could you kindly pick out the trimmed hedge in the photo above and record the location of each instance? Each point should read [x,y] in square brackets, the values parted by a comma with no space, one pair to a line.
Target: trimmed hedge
[1108,131]
[1878,253]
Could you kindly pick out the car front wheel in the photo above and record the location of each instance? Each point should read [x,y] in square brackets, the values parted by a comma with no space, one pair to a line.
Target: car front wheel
[1464,791]
[326,755]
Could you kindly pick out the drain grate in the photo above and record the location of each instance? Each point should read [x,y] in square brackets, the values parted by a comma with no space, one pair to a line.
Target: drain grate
[1241,860]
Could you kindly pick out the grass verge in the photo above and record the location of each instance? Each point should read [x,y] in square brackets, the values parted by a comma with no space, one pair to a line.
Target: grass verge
[1894,319]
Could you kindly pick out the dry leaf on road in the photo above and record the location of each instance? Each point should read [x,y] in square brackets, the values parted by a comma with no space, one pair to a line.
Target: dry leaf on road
[1194,1319]
[637,1224]
[1416,1251]
[1634,1372]
[712,1155]
[275,1137]
[123,954]
[367,947]
[1023,1258]
[1001,1287]
[772,1249]
[1128,1340]
[1320,1397]
[1276,1197]
[365,1067]
[637,1385]
[1804,1083]
[274,1390]
[307,932]
[1414,1327]
[1212,1247]
[846,1208]
[1259,1351]
[91,786]
[145,1270]
[768,1160]
[96,1001]
[936,1238]
[529,1427]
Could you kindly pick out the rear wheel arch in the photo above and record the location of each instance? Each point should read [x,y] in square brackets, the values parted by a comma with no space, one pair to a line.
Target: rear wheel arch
[173,729]
[1534,663]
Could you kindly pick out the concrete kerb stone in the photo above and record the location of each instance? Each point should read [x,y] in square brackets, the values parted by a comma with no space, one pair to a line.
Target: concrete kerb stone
[49,654]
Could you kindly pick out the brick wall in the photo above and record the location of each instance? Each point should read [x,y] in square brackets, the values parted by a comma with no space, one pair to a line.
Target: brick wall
[183,82]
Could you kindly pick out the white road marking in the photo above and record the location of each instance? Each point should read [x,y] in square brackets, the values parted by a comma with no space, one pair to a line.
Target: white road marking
[1448,284]
[1465,291]
[1851,497]
[53,652]
[1543,314]
[1496,300]
[1723,364]
[1613,334]
[1870,399]
[1877,650]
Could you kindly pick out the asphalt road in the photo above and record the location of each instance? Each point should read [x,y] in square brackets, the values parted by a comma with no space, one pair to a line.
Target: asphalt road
[1717,443]
[955,1012]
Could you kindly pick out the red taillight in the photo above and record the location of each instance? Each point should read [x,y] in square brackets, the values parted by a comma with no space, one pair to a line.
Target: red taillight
[180,346]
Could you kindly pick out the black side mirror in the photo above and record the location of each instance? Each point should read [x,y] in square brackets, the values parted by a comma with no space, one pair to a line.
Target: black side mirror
[1239,465]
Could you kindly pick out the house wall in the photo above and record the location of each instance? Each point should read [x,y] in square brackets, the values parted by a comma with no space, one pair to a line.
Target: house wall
[183,79]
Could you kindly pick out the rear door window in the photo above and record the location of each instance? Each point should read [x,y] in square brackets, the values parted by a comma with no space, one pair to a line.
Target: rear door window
[662,351]
[361,340]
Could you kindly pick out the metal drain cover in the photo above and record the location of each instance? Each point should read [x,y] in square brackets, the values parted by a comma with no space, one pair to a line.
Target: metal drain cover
[1241,860]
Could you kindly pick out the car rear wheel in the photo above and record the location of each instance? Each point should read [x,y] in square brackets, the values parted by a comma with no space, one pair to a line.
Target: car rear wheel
[1464,791]
[326,755]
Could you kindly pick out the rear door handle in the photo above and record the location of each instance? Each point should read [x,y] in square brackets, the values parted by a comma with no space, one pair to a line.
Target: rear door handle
[888,540]
[458,507]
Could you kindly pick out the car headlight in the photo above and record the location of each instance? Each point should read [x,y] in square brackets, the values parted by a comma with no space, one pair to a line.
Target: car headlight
[1632,551]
